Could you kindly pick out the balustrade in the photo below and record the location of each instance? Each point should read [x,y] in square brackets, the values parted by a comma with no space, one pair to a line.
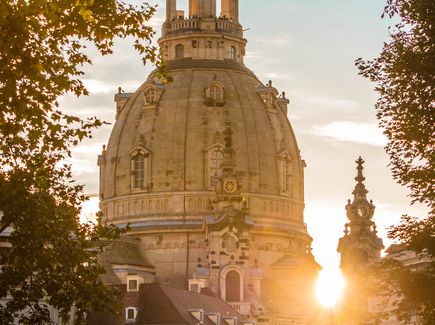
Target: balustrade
[222,25]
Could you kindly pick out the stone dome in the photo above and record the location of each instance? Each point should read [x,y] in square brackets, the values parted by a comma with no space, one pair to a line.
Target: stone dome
[206,170]
[181,127]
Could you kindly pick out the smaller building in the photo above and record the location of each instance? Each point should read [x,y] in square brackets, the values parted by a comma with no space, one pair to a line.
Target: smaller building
[410,259]
[146,302]
[158,304]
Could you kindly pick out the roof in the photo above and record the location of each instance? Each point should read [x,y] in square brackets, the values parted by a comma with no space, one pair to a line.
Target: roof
[176,304]
[159,304]
[126,251]
[189,63]
[296,262]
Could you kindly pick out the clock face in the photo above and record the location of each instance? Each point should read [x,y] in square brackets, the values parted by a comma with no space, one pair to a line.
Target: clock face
[230,186]
[362,211]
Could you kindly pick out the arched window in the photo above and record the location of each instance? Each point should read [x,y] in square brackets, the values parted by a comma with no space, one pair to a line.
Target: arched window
[216,159]
[286,176]
[138,171]
[179,51]
[232,286]
[232,52]
[285,173]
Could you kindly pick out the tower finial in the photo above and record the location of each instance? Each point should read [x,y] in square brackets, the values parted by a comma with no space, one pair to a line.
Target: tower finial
[359,177]
[360,190]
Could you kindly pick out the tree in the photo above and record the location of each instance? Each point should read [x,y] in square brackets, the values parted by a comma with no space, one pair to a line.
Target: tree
[404,74]
[50,256]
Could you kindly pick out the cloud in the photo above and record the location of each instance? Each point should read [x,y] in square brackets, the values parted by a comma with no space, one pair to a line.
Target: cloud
[284,39]
[322,102]
[96,86]
[253,55]
[357,132]
[277,76]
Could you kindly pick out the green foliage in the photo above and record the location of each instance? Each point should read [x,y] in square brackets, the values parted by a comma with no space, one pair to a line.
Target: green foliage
[415,234]
[404,74]
[51,256]
[395,290]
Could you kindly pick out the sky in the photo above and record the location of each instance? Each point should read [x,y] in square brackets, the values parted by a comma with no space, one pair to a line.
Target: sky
[307,48]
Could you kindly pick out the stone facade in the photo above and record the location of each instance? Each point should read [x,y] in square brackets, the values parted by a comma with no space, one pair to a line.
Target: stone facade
[206,170]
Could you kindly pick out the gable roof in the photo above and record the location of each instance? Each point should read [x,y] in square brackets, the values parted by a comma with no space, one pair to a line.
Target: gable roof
[165,305]
[159,304]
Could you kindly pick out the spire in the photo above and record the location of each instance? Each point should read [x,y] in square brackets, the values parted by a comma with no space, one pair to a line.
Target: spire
[360,243]
[360,178]
[360,191]
[360,207]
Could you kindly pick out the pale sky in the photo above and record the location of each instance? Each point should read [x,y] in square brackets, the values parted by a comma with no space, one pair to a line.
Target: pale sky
[307,48]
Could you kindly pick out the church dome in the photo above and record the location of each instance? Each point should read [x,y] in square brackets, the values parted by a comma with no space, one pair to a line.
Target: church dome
[179,130]
[206,167]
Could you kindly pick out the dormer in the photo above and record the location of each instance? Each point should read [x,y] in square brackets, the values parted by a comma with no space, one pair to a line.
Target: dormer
[214,156]
[121,99]
[215,318]
[285,172]
[230,320]
[131,314]
[151,95]
[140,168]
[200,278]
[214,94]
[268,95]
[283,103]
[198,314]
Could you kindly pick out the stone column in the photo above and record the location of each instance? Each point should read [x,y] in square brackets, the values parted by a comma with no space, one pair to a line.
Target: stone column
[171,10]
[209,8]
[230,9]
[194,8]
[226,8]
[235,10]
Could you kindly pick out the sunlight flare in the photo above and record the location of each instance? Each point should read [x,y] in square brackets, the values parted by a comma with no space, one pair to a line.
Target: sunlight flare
[329,287]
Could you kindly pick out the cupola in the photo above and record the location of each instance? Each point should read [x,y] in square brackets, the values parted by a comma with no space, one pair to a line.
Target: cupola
[203,33]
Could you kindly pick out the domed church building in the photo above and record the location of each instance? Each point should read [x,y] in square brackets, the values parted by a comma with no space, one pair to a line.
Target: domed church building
[207,173]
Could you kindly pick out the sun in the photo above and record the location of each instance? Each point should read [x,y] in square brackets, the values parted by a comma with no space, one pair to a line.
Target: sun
[329,287]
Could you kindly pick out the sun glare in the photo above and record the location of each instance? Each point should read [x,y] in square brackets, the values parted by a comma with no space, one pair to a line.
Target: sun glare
[329,287]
